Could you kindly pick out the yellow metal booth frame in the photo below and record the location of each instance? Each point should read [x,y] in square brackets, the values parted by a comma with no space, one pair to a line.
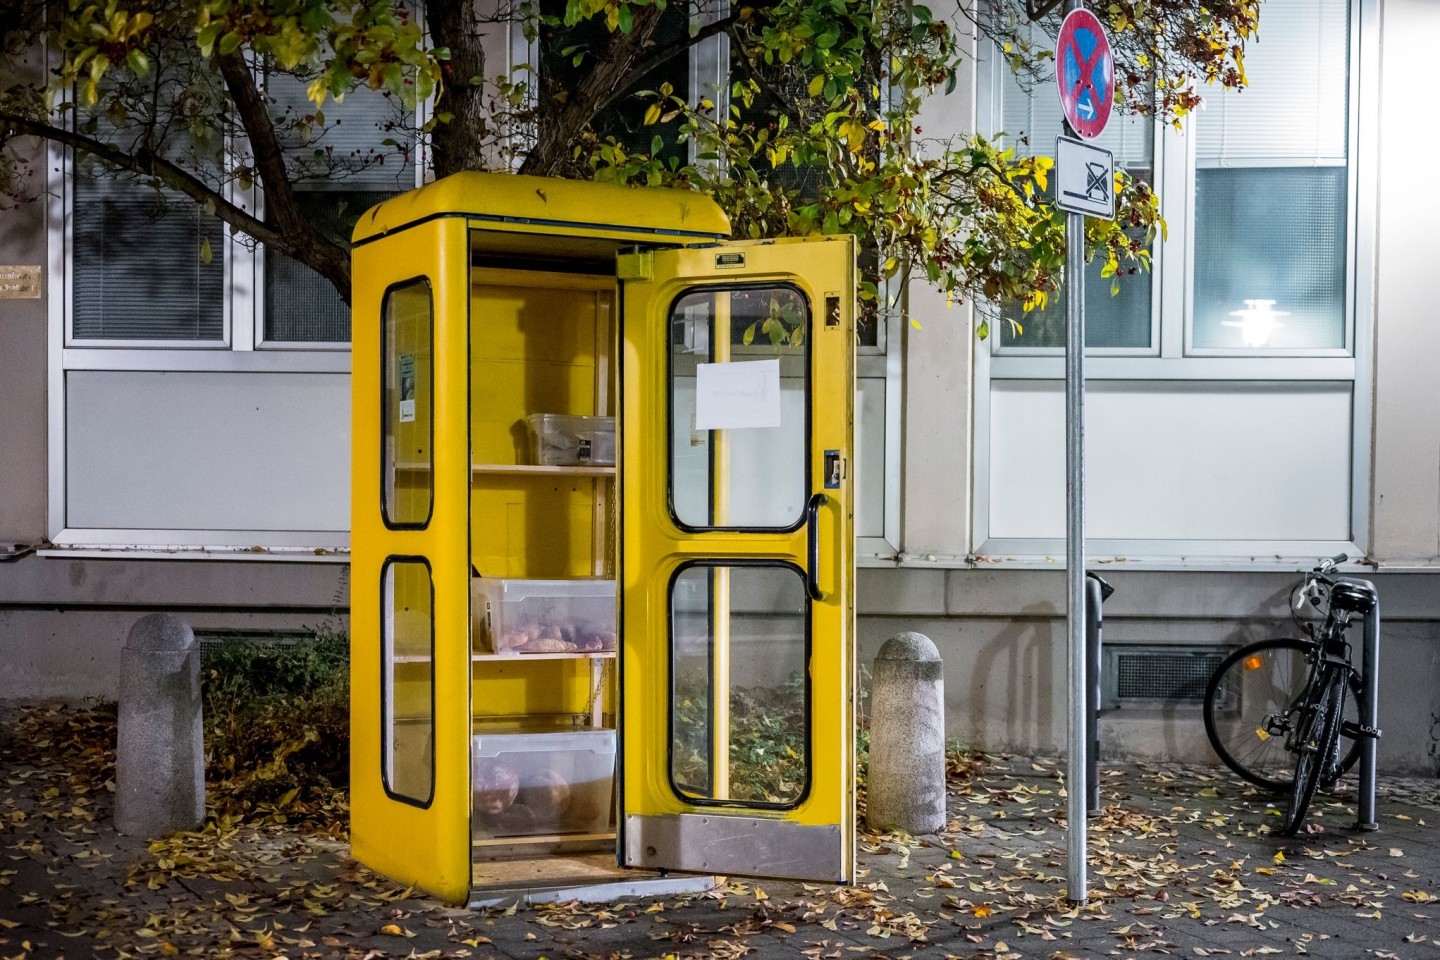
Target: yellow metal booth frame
[717,734]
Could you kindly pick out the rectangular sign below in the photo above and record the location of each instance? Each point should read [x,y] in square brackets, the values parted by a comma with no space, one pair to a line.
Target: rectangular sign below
[737,396]
[19,283]
[1084,179]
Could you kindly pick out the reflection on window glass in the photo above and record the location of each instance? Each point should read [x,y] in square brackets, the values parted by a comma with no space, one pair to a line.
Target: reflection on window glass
[407,415]
[1270,258]
[739,387]
[739,700]
[408,674]
[1271,205]
[1111,321]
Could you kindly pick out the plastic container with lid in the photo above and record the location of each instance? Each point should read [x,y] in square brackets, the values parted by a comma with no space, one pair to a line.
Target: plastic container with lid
[564,440]
[519,617]
[543,784]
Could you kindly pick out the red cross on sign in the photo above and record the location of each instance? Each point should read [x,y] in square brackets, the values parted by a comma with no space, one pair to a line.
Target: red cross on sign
[1085,70]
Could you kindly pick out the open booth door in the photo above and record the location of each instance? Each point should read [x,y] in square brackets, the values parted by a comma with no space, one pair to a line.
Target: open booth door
[737,666]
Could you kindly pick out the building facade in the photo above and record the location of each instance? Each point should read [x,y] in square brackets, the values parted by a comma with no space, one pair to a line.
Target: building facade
[177,426]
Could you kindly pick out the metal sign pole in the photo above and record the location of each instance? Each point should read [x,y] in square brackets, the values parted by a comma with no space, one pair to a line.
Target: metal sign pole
[1075,536]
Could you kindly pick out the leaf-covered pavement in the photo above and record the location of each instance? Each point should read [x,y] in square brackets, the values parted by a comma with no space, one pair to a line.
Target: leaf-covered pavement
[1181,864]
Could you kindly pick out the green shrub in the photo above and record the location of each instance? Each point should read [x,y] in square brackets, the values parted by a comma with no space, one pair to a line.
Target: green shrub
[277,728]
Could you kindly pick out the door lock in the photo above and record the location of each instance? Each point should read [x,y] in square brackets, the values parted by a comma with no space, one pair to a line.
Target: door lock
[834,469]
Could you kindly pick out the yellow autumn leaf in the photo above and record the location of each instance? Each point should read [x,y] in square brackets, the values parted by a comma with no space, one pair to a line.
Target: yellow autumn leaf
[652,114]
[817,84]
[392,930]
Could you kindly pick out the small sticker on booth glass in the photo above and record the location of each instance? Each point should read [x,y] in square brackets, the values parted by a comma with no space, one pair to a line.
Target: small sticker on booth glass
[407,388]
[729,261]
[737,396]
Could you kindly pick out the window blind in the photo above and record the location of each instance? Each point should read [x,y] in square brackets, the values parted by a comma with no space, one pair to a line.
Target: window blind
[348,151]
[1296,104]
[138,263]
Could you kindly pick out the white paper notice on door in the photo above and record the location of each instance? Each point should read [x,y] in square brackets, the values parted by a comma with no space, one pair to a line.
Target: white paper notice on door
[737,396]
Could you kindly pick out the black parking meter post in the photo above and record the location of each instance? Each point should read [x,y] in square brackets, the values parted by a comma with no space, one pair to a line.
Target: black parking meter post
[1369,714]
[1097,591]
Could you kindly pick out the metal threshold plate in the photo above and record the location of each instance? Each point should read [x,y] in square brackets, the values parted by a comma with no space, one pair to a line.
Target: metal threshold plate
[590,878]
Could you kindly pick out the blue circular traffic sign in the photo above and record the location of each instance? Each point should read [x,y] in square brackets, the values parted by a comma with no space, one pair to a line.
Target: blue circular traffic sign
[1085,72]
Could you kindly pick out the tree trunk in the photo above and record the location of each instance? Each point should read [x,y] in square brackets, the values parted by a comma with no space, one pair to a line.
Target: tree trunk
[459,143]
[612,71]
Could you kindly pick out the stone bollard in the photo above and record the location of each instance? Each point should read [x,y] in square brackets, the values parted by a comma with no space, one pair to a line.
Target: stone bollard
[160,757]
[905,788]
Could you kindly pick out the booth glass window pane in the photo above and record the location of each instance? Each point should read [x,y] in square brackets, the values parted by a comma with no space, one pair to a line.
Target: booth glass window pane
[1270,258]
[408,412]
[408,675]
[147,264]
[739,407]
[740,700]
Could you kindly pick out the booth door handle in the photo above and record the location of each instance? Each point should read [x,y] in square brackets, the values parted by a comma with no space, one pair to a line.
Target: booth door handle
[812,524]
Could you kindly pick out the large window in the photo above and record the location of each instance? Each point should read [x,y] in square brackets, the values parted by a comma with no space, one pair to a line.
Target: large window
[1229,397]
[226,363]
[1271,190]
[341,167]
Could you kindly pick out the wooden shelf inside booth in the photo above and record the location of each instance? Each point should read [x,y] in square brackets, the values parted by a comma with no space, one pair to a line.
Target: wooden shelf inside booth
[548,839]
[540,470]
[523,657]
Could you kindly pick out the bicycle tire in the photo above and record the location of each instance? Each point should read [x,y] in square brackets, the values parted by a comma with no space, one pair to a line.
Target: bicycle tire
[1315,748]
[1253,682]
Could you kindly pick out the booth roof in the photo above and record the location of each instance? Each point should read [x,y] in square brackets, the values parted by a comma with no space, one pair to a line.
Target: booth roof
[568,204]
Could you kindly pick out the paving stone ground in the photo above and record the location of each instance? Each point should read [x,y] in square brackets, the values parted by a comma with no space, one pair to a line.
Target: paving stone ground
[1181,864]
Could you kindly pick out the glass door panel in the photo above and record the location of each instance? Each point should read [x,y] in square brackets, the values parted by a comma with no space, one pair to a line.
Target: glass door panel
[739,401]
[740,699]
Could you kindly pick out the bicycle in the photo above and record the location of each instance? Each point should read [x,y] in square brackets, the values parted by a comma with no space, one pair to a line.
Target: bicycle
[1284,713]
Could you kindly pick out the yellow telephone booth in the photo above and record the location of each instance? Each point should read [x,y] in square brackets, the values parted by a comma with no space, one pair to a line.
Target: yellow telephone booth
[602,558]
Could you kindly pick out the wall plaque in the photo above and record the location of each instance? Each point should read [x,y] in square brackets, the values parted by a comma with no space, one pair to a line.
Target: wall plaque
[19,283]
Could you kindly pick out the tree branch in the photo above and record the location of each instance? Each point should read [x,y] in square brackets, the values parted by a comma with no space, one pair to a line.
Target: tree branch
[642,67]
[259,127]
[147,162]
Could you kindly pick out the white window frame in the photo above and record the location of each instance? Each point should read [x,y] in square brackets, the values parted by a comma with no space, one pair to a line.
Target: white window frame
[1177,360]
[242,349]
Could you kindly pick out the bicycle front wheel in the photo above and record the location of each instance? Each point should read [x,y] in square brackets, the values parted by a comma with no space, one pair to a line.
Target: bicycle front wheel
[1315,746]
[1250,708]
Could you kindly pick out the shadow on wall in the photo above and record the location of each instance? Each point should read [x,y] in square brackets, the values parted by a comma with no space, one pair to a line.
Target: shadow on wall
[1013,702]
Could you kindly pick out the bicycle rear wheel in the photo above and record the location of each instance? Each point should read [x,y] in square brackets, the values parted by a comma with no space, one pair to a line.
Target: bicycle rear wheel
[1250,707]
[1315,747]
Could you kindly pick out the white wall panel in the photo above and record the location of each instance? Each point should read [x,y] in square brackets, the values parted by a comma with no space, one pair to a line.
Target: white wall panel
[1407,338]
[208,451]
[1176,461]
[868,469]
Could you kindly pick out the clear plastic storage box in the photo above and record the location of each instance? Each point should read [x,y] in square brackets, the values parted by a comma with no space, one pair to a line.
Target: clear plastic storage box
[522,617]
[562,440]
[543,784]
